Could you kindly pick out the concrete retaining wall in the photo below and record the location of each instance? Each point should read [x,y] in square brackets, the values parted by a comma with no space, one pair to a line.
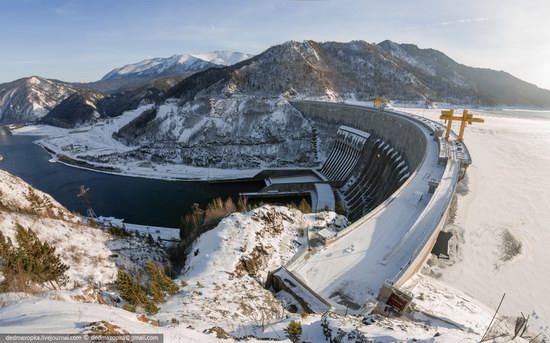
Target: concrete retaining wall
[395,129]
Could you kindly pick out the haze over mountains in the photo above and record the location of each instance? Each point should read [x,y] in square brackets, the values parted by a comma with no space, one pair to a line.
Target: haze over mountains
[330,70]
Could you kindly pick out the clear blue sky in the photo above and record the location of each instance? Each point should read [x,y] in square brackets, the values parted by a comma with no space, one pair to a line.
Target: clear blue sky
[81,40]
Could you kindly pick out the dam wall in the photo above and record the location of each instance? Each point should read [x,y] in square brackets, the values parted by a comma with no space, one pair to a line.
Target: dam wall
[396,130]
[398,196]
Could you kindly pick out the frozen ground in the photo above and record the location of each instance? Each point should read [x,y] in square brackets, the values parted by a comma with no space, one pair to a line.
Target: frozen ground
[36,315]
[502,217]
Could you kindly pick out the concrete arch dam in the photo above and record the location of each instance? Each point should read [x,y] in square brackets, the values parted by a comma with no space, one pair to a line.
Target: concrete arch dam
[396,177]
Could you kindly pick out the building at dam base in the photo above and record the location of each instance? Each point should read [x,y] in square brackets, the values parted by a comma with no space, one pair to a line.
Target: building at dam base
[396,177]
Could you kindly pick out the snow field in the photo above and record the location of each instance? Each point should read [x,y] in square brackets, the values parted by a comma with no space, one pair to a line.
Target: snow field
[505,203]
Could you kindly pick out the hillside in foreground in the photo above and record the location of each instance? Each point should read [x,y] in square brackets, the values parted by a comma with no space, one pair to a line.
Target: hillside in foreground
[220,261]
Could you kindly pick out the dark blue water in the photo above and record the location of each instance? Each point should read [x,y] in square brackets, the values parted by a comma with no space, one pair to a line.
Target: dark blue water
[137,200]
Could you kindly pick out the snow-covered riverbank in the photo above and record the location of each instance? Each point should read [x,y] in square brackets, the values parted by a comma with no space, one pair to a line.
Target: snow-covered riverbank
[78,148]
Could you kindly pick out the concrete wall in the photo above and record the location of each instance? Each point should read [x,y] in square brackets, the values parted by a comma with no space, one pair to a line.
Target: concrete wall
[398,131]
[420,258]
[284,280]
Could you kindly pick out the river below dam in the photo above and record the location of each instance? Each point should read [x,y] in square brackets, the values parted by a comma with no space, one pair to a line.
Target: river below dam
[137,200]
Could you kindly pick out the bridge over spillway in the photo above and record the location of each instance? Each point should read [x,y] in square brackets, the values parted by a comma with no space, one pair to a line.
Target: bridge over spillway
[396,176]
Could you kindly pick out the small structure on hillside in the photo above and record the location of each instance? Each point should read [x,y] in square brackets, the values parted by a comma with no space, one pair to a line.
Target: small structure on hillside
[395,300]
[379,101]
[326,236]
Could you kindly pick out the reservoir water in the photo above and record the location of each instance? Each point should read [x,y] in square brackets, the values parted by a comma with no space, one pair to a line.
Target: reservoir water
[137,200]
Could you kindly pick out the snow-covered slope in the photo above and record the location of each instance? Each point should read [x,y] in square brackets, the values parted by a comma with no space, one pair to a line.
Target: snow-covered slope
[176,64]
[45,316]
[242,135]
[89,252]
[228,266]
[30,98]
[224,58]
[56,225]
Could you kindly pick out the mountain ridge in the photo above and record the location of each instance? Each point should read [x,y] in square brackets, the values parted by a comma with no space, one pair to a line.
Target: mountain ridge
[355,70]
[176,64]
[361,70]
[31,98]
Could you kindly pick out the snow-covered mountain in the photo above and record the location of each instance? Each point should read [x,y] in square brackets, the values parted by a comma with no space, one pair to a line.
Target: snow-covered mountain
[252,125]
[224,58]
[31,98]
[88,106]
[176,64]
[360,70]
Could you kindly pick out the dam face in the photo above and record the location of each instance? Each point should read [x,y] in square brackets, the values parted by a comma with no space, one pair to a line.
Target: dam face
[392,148]
[401,134]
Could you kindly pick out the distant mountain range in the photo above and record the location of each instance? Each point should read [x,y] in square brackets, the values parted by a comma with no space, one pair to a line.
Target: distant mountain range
[330,70]
[177,64]
[34,98]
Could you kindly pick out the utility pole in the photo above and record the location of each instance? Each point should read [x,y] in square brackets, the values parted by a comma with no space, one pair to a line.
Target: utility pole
[494,316]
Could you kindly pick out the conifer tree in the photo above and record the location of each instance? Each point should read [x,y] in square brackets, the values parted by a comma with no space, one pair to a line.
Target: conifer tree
[156,293]
[32,261]
[132,292]
[159,280]
[294,331]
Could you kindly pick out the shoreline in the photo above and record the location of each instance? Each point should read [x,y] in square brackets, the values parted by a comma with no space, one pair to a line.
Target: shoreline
[90,167]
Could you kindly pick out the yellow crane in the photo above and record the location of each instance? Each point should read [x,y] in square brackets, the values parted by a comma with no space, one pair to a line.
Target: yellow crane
[466,118]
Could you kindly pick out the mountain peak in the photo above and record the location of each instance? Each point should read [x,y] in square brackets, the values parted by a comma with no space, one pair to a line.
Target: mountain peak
[177,64]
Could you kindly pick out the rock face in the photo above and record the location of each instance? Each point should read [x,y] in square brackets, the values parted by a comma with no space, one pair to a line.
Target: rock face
[241,132]
[31,98]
